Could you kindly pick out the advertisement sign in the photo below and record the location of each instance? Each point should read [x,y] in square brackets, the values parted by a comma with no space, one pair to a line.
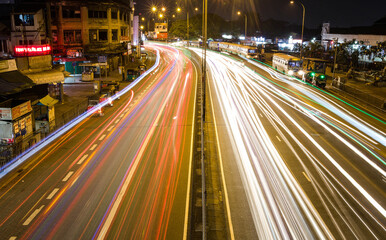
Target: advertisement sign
[5,114]
[162,35]
[21,109]
[32,50]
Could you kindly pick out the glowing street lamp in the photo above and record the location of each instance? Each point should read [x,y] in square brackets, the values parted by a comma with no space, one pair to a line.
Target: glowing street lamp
[153,9]
[245,17]
[304,13]
[178,9]
[163,9]
[196,9]
[160,15]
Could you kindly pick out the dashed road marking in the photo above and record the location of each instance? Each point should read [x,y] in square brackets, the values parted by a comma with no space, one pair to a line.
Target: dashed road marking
[278,138]
[102,137]
[82,159]
[52,194]
[12,238]
[93,147]
[306,176]
[261,115]
[116,121]
[69,174]
[110,128]
[33,215]
[121,116]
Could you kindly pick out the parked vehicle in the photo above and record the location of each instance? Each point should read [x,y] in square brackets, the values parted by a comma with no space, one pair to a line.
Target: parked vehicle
[315,71]
[132,74]
[287,64]
[93,101]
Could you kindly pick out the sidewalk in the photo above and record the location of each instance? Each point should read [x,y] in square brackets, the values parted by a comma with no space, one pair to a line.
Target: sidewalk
[372,95]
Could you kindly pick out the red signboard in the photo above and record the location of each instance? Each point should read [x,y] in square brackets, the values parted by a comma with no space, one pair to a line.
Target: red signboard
[162,35]
[33,50]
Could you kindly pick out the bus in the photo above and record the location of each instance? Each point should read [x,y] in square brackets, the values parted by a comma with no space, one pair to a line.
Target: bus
[238,49]
[287,64]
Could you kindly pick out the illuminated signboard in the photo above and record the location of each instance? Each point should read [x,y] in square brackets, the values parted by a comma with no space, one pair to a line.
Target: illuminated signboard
[33,50]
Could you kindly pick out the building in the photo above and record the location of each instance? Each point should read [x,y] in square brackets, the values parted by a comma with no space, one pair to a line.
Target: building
[100,30]
[370,36]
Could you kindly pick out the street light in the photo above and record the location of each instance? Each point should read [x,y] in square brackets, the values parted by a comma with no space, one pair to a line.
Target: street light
[178,9]
[196,9]
[246,19]
[163,9]
[304,13]
[153,9]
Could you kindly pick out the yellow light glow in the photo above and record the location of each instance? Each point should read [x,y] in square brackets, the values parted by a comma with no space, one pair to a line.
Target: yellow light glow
[196,9]
[178,9]
[161,15]
[163,9]
[238,13]
[154,9]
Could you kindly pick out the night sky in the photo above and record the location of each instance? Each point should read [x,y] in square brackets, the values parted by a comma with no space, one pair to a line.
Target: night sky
[340,13]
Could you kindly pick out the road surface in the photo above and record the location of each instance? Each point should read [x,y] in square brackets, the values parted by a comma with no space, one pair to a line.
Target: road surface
[121,176]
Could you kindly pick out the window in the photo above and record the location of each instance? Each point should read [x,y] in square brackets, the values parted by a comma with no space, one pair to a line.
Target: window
[114,34]
[72,36]
[123,32]
[24,19]
[93,34]
[97,14]
[54,36]
[113,15]
[102,35]
[71,13]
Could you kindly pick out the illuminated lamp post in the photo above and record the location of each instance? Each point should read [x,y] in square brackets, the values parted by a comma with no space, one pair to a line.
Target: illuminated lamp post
[304,13]
[246,19]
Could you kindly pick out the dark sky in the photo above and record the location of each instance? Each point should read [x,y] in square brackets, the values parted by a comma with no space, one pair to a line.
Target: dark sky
[340,13]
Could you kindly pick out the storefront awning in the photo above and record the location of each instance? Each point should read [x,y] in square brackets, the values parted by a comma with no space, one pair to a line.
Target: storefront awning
[14,82]
[50,76]
[48,101]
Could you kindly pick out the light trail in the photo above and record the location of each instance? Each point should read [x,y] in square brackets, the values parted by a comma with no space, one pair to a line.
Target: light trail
[279,206]
[4,170]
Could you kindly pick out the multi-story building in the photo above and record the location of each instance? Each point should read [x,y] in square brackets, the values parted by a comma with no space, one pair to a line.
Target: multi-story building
[91,28]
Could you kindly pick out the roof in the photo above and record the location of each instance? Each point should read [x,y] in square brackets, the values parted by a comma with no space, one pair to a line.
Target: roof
[48,101]
[14,82]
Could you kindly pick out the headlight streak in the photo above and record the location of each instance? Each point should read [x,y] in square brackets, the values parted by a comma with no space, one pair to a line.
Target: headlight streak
[53,136]
[281,218]
[231,107]
[269,69]
[376,134]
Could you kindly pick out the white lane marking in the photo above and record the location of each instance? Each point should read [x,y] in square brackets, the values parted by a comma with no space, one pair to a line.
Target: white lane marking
[102,137]
[69,174]
[175,117]
[110,128]
[12,238]
[121,116]
[278,138]
[116,121]
[82,159]
[52,194]
[228,209]
[306,176]
[33,215]
[190,167]
[261,115]
[93,147]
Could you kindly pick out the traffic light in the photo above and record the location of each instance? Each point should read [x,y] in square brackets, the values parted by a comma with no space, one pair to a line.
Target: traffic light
[312,74]
[322,76]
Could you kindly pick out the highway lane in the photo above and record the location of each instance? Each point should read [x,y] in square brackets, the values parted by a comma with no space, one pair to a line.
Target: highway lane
[311,166]
[121,176]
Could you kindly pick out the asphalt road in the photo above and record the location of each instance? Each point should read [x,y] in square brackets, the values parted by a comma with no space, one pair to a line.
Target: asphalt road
[124,175]
[309,166]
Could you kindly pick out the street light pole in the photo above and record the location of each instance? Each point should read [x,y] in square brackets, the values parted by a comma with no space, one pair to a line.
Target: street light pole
[304,14]
[245,23]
